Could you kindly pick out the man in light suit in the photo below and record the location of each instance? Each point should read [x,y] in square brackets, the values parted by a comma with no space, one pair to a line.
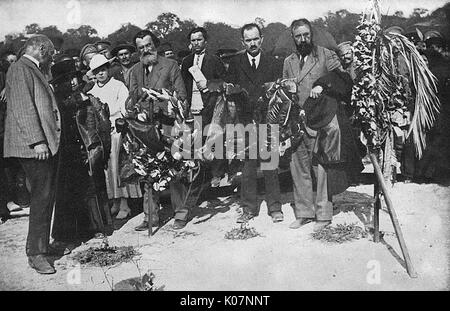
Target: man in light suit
[305,66]
[251,70]
[32,135]
[156,72]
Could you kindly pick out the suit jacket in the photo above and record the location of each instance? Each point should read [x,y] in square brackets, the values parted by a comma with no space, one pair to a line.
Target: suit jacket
[317,64]
[32,113]
[212,68]
[165,74]
[240,72]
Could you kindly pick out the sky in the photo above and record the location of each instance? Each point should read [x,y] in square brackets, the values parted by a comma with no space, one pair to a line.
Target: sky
[106,16]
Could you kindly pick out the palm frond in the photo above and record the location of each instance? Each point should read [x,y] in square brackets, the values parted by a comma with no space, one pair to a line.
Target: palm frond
[426,102]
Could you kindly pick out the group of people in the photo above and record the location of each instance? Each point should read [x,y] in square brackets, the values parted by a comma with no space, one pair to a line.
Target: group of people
[60,126]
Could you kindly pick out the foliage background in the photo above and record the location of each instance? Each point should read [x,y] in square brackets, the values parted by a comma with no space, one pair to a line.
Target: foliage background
[169,27]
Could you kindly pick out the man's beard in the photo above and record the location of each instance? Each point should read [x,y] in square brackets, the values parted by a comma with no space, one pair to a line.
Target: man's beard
[149,58]
[304,48]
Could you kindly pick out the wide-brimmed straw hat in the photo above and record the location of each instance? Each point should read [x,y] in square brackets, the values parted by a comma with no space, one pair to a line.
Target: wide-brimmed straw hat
[97,61]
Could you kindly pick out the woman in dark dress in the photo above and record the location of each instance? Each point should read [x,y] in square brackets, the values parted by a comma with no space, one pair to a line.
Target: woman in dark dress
[81,207]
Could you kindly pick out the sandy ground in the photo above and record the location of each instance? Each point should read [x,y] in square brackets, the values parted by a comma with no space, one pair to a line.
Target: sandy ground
[200,258]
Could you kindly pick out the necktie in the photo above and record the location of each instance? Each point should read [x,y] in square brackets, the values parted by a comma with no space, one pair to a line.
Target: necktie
[197,55]
[302,62]
[253,64]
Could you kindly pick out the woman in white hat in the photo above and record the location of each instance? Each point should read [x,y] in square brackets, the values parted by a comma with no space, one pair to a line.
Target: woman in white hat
[114,93]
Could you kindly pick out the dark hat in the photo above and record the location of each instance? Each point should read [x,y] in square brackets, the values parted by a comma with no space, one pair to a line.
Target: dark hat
[101,45]
[319,111]
[122,45]
[73,52]
[63,68]
[88,49]
[225,52]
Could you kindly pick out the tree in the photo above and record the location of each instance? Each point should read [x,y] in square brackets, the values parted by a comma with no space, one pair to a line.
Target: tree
[125,33]
[261,22]
[341,24]
[419,12]
[164,24]
[222,36]
[32,29]
[179,37]
[399,14]
[77,38]
[272,33]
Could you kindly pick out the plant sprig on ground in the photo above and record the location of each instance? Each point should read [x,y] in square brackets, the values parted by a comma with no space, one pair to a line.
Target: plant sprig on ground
[243,233]
[105,256]
[341,233]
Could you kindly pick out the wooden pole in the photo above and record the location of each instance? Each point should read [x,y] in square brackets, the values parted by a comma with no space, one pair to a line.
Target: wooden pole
[150,208]
[409,267]
[376,210]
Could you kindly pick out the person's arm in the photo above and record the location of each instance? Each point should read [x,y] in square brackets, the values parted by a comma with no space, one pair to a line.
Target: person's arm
[177,81]
[220,70]
[286,69]
[332,61]
[122,97]
[134,86]
[232,74]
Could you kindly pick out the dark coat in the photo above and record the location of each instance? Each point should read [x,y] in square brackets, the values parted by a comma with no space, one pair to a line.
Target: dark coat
[240,72]
[336,148]
[212,69]
[81,202]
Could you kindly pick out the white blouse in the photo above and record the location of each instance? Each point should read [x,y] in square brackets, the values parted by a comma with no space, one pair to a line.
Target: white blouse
[114,94]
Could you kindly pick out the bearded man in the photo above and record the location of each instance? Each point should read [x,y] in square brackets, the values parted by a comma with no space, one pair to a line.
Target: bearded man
[156,72]
[309,63]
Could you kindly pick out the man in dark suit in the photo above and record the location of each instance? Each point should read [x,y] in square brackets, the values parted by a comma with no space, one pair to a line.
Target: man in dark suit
[32,134]
[211,67]
[156,72]
[251,70]
[309,63]
[200,101]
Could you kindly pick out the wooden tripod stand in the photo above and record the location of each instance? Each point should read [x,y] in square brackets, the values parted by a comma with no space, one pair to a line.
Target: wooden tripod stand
[381,185]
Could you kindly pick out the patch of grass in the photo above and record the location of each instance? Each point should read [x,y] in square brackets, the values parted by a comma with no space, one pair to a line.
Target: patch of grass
[340,233]
[243,233]
[105,255]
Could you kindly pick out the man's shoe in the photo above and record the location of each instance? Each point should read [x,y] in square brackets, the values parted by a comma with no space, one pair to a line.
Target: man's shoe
[4,217]
[123,214]
[13,207]
[277,216]
[40,264]
[245,217]
[300,222]
[320,224]
[58,248]
[144,225]
[179,224]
